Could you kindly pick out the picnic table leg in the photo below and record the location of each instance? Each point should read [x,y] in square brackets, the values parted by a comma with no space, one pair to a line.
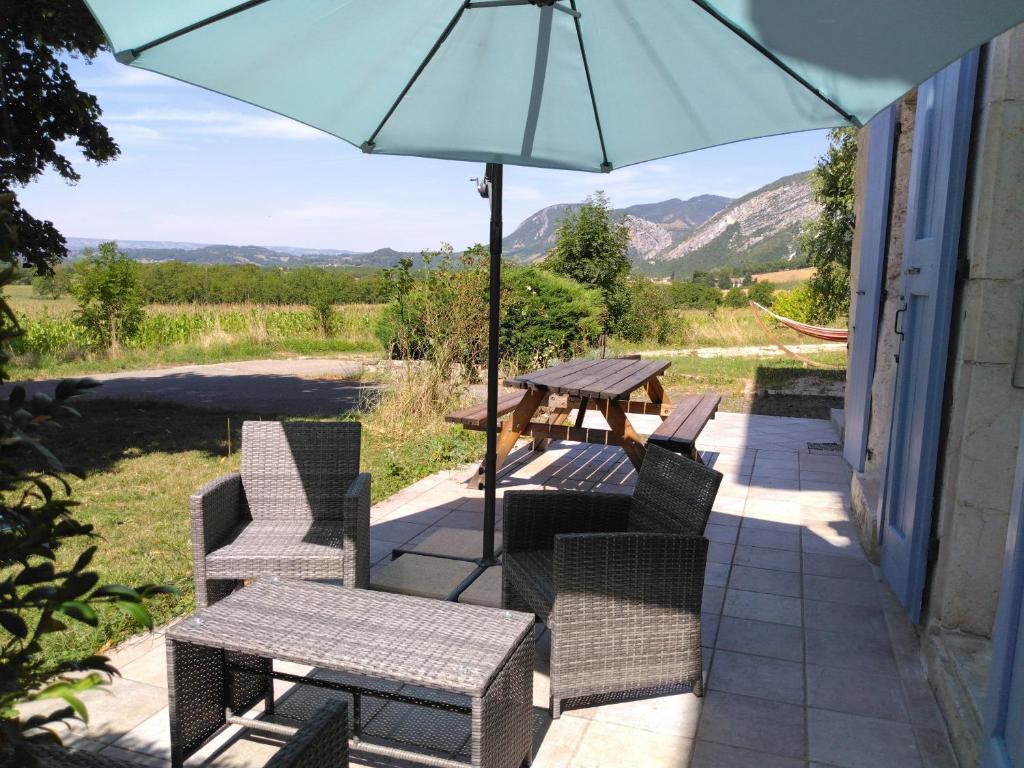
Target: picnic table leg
[556,417]
[632,443]
[656,391]
[511,431]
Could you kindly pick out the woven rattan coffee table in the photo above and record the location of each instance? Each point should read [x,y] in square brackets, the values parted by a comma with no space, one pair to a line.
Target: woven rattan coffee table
[220,663]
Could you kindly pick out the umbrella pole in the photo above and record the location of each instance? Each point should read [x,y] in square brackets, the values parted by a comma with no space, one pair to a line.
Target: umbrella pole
[492,184]
[493,176]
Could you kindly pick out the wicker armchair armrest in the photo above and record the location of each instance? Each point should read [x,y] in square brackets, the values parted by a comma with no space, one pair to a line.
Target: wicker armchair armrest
[355,504]
[321,742]
[215,510]
[655,570]
[532,519]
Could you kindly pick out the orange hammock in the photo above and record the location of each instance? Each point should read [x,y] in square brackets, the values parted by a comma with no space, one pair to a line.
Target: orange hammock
[814,331]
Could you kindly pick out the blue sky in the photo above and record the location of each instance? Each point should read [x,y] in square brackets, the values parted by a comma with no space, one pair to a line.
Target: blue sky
[200,167]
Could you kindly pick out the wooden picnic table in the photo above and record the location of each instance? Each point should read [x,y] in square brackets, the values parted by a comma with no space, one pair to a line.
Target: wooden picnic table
[604,385]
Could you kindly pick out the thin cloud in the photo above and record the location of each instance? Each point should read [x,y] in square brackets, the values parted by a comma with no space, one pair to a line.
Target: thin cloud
[222,123]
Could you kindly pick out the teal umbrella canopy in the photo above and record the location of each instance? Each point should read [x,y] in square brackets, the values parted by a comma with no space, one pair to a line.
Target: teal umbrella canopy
[577,84]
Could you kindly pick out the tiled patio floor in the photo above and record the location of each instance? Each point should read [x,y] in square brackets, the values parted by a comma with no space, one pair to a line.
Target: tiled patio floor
[809,660]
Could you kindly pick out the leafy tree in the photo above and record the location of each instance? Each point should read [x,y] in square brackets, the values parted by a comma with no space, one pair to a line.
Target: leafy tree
[110,306]
[736,298]
[827,240]
[51,285]
[41,107]
[724,280]
[592,249]
[762,292]
[688,295]
[649,313]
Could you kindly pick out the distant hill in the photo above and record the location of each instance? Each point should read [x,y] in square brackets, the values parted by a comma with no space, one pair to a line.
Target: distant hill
[278,256]
[653,227]
[670,237]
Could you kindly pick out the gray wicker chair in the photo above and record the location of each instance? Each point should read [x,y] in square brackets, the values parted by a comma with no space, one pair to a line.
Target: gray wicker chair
[321,742]
[618,580]
[298,508]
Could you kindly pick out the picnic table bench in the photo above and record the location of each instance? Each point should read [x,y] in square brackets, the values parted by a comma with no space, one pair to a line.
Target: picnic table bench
[603,385]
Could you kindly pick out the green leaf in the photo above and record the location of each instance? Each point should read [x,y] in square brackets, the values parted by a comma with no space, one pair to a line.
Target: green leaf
[79,611]
[116,590]
[14,624]
[138,612]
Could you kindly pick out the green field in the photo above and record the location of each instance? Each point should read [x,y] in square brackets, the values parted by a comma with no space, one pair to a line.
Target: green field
[54,345]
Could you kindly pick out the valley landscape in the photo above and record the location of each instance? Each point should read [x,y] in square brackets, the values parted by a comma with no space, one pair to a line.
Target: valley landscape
[669,238]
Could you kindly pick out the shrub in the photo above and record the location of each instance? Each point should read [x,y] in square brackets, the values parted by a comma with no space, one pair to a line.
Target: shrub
[648,316]
[106,286]
[796,304]
[691,295]
[321,305]
[762,292]
[546,316]
[443,317]
[735,298]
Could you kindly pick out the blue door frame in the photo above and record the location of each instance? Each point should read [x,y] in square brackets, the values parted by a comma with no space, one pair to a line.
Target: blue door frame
[1003,743]
[874,243]
[942,133]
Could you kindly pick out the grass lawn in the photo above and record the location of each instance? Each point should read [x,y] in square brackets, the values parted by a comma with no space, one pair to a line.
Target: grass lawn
[143,461]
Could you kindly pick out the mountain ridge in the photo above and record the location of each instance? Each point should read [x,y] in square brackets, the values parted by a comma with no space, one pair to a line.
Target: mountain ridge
[672,236]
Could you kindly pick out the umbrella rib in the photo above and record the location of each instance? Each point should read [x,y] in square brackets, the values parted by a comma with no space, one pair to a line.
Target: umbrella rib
[749,40]
[368,145]
[605,165]
[134,53]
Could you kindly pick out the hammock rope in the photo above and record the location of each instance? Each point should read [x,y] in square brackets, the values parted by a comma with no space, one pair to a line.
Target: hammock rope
[754,306]
[814,331]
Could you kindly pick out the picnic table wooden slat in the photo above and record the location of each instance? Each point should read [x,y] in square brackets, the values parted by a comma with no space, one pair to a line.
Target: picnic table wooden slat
[624,385]
[553,371]
[476,415]
[584,385]
[699,416]
[667,429]
[557,383]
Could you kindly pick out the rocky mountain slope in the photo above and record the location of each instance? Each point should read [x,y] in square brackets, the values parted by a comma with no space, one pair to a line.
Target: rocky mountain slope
[653,227]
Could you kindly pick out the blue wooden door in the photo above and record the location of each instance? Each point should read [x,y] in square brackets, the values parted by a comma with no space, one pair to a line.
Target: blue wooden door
[942,134]
[874,227]
[1003,745]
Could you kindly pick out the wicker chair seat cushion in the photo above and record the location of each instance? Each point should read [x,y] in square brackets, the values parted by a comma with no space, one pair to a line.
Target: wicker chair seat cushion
[280,548]
[533,572]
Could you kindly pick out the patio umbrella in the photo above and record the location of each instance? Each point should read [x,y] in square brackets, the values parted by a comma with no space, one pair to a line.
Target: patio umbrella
[588,85]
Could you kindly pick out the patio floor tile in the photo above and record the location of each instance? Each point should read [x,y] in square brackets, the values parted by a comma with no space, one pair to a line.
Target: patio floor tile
[856,693]
[773,539]
[763,557]
[756,724]
[853,620]
[760,638]
[761,606]
[765,580]
[851,741]
[847,591]
[716,574]
[709,755]
[608,745]
[839,567]
[757,676]
[840,649]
